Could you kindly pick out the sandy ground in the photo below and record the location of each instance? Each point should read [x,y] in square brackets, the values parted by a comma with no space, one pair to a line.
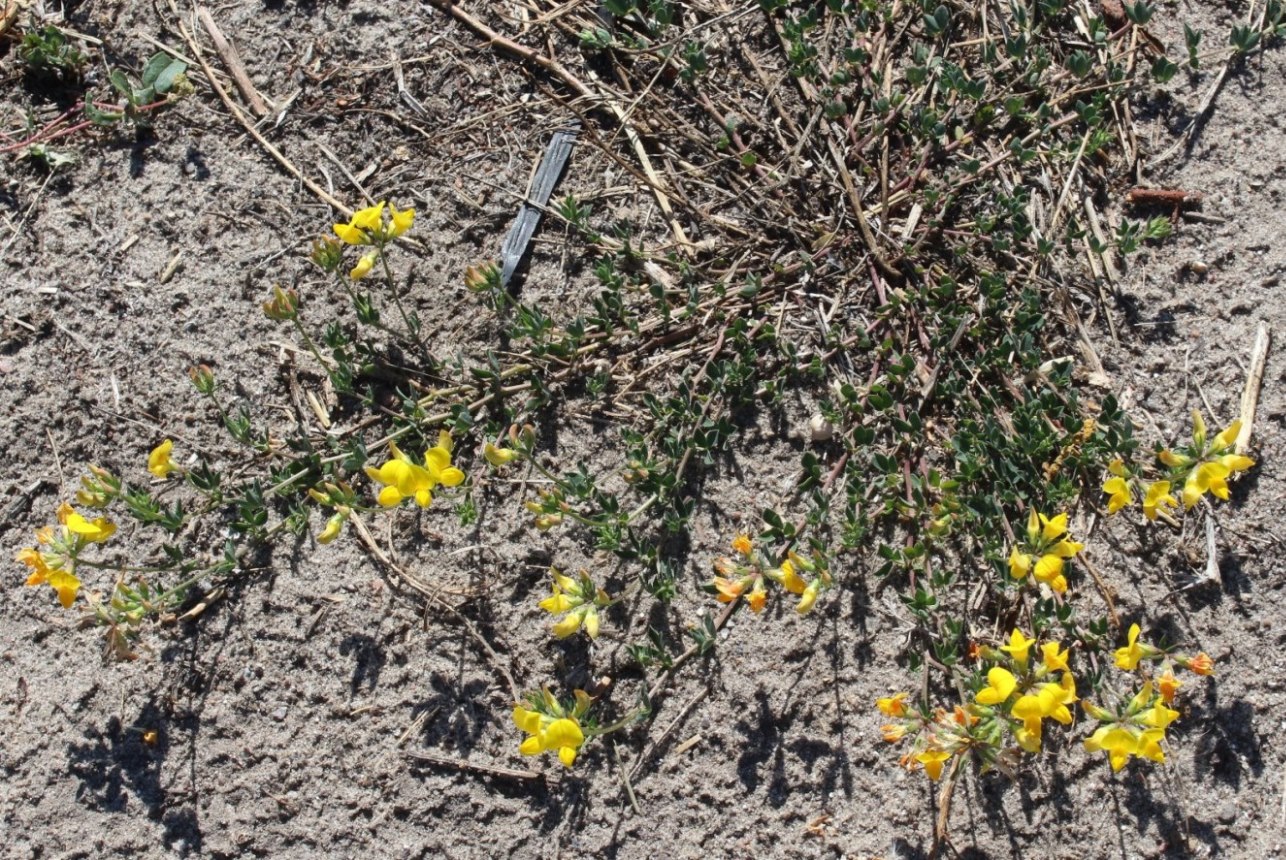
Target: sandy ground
[286,718]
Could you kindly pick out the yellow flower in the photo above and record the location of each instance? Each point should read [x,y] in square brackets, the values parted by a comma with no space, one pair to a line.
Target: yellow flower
[400,222]
[367,226]
[1226,439]
[402,479]
[438,458]
[363,267]
[1053,659]
[568,625]
[1127,658]
[363,227]
[1018,646]
[1159,716]
[499,456]
[1117,741]
[742,545]
[1000,683]
[1157,499]
[933,759]
[579,598]
[159,462]
[790,578]
[893,706]
[1168,685]
[333,527]
[758,597]
[96,530]
[405,479]
[1019,564]
[1050,701]
[1119,492]
[809,597]
[549,734]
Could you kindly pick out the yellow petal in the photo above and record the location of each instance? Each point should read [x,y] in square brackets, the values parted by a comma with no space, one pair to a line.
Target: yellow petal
[158,461]
[390,497]
[567,625]
[370,218]
[527,720]
[1227,437]
[1049,568]
[1053,527]
[351,235]
[1019,564]
[363,267]
[531,746]
[401,221]
[451,477]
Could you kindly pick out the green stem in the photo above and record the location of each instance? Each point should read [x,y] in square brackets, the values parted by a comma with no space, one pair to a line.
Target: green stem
[312,347]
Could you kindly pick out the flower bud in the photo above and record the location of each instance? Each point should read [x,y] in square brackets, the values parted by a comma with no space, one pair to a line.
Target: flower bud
[284,304]
[202,378]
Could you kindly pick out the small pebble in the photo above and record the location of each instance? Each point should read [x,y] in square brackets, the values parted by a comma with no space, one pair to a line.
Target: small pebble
[819,429]
[280,713]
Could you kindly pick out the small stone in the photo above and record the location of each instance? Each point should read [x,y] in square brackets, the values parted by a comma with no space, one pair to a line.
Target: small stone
[819,429]
[1227,813]
[280,713]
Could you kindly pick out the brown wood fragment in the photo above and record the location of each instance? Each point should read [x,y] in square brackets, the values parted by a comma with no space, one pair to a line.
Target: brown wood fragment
[232,60]
[1114,13]
[1169,197]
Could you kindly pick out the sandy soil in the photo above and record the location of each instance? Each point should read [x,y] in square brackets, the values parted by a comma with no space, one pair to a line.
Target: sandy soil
[287,717]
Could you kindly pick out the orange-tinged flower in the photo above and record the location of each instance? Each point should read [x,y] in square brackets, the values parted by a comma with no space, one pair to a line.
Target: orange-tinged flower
[1127,658]
[893,706]
[743,545]
[1168,685]
[727,589]
[758,597]
[1000,683]
[893,732]
[1202,664]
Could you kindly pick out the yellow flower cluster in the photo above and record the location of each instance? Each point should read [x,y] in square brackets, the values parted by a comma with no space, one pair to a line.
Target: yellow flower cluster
[746,576]
[1137,727]
[578,601]
[1200,468]
[551,726]
[1016,695]
[369,226]
[55,564]
[403,478]
[1044,551]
